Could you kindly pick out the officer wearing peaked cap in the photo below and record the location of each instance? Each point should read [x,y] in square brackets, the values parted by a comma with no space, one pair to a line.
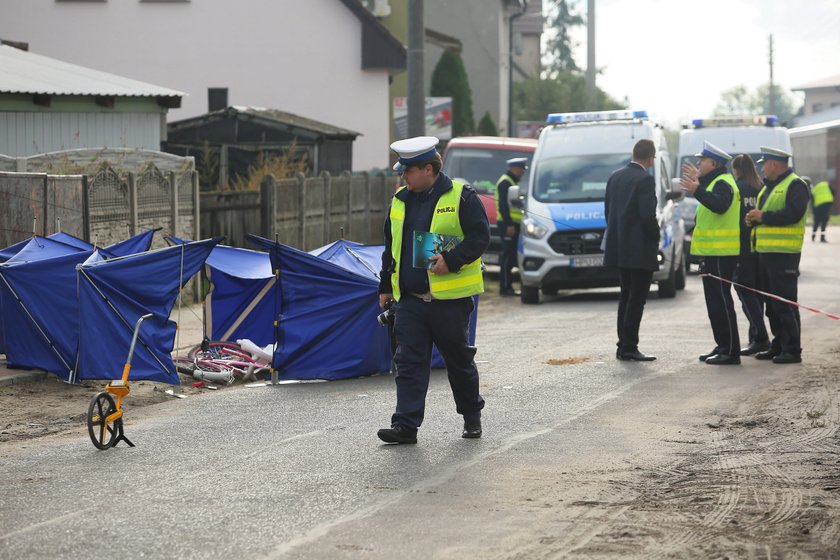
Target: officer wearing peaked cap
[432,306]
[717,238]
[508,219]
[779,228]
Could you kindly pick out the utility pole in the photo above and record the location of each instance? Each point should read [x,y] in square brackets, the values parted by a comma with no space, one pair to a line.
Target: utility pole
[416,92]
[771,94]
[590,53]
[511,125]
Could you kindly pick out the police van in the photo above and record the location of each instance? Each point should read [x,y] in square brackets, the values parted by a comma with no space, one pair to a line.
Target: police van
[560,244]
[735,135]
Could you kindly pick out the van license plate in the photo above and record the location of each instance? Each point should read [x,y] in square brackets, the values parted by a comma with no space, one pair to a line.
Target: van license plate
[490,258]
[581,262]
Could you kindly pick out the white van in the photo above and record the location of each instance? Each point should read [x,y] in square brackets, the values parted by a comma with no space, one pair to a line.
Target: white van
[734,135]
[563,225]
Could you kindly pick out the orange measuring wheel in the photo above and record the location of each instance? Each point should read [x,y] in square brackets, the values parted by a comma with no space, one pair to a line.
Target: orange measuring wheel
[105,415]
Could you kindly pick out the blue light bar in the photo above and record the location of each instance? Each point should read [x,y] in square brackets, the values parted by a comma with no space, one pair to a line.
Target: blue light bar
[595,116]
[766,120]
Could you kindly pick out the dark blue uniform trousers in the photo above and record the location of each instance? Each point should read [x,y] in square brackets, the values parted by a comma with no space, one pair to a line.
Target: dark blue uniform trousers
[752,303]
[445,323]
[507,259]
[719,303]
[780,276]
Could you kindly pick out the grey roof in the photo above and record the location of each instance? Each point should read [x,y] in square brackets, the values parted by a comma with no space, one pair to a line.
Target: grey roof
[829,82]
[30,73]
[267,116]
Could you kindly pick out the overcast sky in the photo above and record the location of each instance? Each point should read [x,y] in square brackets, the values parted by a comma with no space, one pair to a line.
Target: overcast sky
[675,57]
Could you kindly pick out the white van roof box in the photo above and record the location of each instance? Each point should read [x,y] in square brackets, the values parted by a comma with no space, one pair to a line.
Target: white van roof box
[766,120]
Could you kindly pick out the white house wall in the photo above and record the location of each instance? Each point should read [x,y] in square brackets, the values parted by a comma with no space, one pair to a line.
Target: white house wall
[303,57]
[29,133]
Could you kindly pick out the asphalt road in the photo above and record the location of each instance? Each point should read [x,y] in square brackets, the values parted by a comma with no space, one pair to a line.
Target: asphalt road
[297,471]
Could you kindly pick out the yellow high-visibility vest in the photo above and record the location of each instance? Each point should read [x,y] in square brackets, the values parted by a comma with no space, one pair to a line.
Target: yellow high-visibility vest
[515,213]
[719,234]
[468,281]
[778,239]
[822,193]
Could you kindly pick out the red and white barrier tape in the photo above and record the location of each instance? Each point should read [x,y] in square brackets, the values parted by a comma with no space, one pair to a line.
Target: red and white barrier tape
[773,296]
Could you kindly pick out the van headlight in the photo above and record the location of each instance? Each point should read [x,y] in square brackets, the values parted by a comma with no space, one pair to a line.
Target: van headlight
[531,228]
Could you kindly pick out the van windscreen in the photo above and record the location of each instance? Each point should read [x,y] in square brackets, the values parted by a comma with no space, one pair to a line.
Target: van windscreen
[575,178]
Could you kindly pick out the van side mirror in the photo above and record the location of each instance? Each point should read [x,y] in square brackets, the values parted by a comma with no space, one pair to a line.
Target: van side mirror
[676,192]
[513,196]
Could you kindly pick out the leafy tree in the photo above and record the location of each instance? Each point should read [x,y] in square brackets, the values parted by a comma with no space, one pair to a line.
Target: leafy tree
[486,126]
[739,100]
[449,79]
[560,20]
[534,99]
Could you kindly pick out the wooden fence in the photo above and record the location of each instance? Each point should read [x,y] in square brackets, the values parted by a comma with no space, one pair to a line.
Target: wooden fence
[302,212]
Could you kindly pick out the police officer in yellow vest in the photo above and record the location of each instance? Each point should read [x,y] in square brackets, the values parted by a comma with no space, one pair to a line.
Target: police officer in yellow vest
[779,228]
[507,220]
[823,200]
[433,306]
[717,238]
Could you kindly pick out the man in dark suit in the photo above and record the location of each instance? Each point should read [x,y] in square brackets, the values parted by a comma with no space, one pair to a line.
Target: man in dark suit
[632,240]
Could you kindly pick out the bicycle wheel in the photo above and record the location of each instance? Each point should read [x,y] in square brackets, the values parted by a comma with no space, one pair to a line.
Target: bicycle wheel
[102,434]
[217,350]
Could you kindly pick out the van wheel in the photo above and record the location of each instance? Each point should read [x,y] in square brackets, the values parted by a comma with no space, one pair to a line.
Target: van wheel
[668,287]
[530,295]
[679,282]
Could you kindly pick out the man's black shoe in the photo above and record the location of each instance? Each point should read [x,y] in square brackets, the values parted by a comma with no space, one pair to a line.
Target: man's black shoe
[472,429]
[508,292]
[397,434]
[723,360]
[704,357]
[787,358]
[636,356]
[766,355]
[755,348]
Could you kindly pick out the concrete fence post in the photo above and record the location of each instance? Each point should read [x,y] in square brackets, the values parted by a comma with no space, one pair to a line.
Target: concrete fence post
[196,196]
[301,179]
[327,179]
[173,202]
[133,210]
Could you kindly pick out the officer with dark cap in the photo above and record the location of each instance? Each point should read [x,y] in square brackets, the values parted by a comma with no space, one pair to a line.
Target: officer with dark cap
[717,238]
[508,219]
[432,306]
[779,228]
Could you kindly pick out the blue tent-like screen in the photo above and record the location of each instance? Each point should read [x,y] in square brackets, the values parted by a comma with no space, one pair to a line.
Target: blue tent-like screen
[114,293]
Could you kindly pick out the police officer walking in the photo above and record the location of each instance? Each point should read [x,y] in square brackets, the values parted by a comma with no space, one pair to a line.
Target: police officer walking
[717,238]
[823,200]
[432,306]
[508,219]
[779,222]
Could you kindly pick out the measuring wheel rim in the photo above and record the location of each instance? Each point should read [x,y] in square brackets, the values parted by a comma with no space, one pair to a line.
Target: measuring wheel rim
[102,434]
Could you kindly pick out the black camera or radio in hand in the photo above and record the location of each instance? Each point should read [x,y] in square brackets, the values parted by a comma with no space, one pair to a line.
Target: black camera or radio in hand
[386,318]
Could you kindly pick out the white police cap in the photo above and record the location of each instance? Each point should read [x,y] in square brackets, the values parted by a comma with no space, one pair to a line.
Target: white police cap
[773,153]
[712,151]
[518,162]
[412,150]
